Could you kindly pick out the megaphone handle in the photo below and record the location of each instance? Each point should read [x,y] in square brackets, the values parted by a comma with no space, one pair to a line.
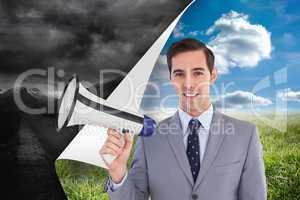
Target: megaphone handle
[108,158]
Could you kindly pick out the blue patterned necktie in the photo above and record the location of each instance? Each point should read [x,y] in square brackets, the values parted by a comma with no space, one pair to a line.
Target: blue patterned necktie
[193,148]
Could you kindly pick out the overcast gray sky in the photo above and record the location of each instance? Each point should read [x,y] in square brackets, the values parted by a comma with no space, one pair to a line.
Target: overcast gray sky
[79,36]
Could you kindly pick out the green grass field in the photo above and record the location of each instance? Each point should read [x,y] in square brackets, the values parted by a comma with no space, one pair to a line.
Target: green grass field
[281,156]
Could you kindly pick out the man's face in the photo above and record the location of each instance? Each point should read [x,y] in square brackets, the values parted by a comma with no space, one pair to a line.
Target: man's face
[191,78]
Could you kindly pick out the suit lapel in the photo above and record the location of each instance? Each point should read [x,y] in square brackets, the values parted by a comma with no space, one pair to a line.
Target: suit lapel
[214,142]
[175,139]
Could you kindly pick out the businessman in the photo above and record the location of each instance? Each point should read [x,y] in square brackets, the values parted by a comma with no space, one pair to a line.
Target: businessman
[198,153]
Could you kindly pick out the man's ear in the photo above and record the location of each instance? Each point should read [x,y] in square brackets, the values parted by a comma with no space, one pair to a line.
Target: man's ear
[214,75]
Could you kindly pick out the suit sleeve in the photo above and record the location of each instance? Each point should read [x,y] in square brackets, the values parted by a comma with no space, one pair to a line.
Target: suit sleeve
[135,185]
[253,181]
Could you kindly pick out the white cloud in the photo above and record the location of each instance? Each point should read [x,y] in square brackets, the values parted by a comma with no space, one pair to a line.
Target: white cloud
[181,32]
[194,33]
[241,99]
[288,39]
[238,43]
[289,95]
[178,30]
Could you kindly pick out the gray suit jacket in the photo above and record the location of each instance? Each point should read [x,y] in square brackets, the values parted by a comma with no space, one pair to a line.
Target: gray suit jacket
[232,167]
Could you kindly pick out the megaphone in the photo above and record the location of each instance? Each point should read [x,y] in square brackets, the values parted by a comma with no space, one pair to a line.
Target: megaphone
[78,106]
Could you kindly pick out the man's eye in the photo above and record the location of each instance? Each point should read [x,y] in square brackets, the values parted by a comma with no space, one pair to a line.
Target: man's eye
[198,73]
[179,74]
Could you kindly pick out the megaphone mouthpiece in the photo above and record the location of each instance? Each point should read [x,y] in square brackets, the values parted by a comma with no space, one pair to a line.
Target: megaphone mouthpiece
[67,102]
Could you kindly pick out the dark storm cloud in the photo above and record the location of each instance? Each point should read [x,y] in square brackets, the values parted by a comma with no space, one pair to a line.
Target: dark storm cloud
[80,36]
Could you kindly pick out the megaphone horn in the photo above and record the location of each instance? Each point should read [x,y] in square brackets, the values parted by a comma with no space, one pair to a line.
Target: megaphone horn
[79,106]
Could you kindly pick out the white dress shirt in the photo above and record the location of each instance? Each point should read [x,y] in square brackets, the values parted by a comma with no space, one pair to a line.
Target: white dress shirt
[205,120]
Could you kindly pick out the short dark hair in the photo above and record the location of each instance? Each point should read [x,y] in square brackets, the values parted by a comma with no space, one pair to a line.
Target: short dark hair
[190,44]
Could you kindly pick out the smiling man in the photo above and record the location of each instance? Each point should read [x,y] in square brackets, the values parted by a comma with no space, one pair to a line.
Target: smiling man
[198,153]
[192,71]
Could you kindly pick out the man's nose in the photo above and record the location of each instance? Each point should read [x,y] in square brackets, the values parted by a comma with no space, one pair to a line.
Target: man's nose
[189,82]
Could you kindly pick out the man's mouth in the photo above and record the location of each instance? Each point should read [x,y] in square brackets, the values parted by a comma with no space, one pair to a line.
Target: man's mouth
[186,94]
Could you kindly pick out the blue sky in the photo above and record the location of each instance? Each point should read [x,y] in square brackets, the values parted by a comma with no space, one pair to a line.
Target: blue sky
[257,45]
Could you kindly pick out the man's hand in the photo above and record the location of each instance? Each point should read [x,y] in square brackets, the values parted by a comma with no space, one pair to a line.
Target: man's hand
[119,146]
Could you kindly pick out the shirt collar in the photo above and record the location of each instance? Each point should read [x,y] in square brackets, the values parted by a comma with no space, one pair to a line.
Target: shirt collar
[205,118]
